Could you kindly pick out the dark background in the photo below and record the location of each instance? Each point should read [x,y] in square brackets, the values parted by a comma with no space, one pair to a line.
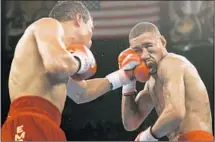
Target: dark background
[101,118]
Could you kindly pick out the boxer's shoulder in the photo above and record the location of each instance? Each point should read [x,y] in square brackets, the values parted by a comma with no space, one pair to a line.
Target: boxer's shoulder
[46,21]
[172,64]
[172,60]
[48,24]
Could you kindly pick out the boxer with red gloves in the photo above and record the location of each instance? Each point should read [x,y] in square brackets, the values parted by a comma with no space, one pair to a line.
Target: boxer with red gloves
[52,60]
[82,91]
[174,89]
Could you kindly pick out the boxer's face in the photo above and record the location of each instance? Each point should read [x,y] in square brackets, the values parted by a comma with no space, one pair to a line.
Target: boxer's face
[85,31]
[151,49]
[79,31]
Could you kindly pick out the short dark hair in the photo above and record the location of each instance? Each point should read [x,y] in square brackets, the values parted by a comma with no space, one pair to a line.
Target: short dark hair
[141,28]
[67,10]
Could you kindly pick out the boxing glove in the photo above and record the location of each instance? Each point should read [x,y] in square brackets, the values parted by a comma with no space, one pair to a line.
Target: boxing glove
[140,69]
[87,61]
[130,61]
[141,72]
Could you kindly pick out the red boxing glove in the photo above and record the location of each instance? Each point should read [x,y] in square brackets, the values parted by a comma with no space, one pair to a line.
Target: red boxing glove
[131,68]
[87,61]
[130,60]
[141,72]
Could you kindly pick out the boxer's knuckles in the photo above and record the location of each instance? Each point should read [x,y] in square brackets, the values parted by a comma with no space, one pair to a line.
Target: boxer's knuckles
[88,65]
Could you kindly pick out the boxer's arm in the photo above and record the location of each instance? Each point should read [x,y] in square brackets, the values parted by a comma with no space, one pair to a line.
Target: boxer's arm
[56,59]
[171,75]
[135,110]
[87,90]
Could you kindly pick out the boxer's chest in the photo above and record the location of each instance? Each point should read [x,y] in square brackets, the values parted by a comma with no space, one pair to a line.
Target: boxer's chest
[156,92]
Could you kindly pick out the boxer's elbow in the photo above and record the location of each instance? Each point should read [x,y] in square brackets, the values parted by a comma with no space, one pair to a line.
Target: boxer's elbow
[84,97]
[128,127]
[131,124]
[89,94]
[177,115]
[78,101]
[81,98]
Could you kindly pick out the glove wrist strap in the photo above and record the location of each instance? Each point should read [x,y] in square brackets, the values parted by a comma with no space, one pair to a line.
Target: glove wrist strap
[83,66]
[118,79]
[129,88]
[146,135]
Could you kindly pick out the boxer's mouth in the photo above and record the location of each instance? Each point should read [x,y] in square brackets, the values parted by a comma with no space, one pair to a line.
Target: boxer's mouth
[149,63]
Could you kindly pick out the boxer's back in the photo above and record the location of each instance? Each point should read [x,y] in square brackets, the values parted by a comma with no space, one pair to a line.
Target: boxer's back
[28,76]
[197,105]
[198,113]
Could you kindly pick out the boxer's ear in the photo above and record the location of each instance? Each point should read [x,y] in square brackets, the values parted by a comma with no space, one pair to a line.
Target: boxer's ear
[78,19]
[163,41]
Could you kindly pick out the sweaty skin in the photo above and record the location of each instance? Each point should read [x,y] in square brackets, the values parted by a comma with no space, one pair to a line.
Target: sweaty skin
[28,74]
[175,89]
[196,102]
[42,66]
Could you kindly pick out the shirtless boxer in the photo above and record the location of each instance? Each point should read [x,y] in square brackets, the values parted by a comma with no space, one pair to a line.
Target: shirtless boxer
[174,88]
[51,60]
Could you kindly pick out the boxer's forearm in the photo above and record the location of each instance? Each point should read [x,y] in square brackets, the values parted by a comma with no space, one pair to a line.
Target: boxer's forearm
[167,122]
[86,91]
[97,87]
[130,113]
[93,89]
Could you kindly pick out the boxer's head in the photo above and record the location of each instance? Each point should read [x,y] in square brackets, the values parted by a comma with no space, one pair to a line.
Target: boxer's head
[147,41]
[76,21]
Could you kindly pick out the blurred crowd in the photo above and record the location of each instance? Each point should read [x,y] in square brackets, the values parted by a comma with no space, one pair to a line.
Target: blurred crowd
[191,22]
[188,20]
[18,15]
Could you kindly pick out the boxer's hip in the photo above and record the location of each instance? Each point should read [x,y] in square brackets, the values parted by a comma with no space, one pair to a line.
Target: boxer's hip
[32,118]
[35,106]
[196,135]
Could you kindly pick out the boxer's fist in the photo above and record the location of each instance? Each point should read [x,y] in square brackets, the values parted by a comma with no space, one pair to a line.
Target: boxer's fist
[130,60]
[87,61]
[131,67]
[141,72]
[127,61]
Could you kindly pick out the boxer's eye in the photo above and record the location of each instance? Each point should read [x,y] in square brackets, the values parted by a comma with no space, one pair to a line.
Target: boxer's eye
[137,49]
[146,45]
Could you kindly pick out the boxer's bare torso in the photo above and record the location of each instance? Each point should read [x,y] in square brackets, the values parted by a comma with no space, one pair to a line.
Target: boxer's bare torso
[28,76]
[198,113]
